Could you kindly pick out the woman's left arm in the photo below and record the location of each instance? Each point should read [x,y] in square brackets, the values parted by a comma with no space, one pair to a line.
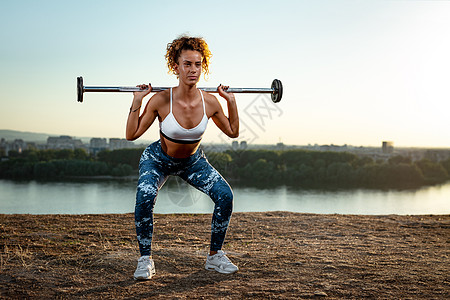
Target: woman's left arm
[228,125]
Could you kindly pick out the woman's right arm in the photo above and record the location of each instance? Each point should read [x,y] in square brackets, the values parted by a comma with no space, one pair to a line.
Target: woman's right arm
[137,125]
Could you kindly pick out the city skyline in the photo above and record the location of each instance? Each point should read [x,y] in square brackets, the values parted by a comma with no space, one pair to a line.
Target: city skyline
[353,72]
[10,136]
[96,145]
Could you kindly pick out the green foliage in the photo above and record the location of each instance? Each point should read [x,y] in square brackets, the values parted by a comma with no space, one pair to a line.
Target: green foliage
[362,161]
[57,164]
[122,170]
[220,161]
[68,168]
[433,172]
[80,154]
[398,159]
[332,169]
[446,165]
[14,154]
[122,156]
[388,175]
[30,155]
[299,168]
[260,171]
[16,169]
[64,154]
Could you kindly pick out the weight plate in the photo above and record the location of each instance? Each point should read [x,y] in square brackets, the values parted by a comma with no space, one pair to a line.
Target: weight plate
[277,90]
[80,89]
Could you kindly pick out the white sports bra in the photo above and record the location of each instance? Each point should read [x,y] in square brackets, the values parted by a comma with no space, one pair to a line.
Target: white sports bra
[174,132]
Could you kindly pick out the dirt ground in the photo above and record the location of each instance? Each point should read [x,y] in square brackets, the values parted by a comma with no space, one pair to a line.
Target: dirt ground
[281,255]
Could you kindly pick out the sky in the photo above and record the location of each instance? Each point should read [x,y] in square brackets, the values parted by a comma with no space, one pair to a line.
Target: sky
[353,72]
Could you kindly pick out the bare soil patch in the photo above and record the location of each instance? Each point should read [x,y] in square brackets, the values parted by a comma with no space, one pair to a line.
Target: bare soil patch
[281,255]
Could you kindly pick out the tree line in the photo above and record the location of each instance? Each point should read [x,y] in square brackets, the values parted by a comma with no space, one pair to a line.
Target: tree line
[315,169]
[58,164]
[297,168]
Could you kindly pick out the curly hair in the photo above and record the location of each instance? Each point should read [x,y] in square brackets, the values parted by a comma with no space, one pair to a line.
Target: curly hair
[187,43]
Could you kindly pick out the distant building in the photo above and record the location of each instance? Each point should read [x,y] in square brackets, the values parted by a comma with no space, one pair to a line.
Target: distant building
[437,155]
[235,145]
[279,146]
[215,147]
[18,145]
[96,145]
[63,142]
[115,143]
[387,147]
[3,147]
[32,145]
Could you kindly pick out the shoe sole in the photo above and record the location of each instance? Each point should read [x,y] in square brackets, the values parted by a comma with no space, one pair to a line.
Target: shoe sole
[217,269]
[143,278]
[152,273]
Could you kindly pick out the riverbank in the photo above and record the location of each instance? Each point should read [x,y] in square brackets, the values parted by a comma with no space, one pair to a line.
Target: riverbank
[258,168]
[281,255]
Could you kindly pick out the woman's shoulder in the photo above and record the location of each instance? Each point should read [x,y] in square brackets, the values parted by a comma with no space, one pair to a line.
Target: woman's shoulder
[212,104]
[159,102]
[162,97]
[210,98]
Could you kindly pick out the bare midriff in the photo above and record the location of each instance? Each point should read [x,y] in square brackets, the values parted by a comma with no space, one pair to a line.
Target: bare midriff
[178,150]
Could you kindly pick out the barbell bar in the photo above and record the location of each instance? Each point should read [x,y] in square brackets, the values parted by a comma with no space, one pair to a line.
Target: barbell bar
[276,89]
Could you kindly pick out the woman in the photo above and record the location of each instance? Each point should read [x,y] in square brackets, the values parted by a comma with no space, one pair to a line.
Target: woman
[183,113]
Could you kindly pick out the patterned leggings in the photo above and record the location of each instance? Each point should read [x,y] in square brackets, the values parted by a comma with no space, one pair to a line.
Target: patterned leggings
[155,166]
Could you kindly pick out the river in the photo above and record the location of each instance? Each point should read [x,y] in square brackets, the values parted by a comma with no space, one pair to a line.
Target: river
[101,197]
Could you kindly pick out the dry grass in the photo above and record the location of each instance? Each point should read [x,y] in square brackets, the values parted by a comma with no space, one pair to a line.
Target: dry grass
[280,255]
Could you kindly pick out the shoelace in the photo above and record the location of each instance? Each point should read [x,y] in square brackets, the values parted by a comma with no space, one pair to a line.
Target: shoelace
[224,258]
[142,264]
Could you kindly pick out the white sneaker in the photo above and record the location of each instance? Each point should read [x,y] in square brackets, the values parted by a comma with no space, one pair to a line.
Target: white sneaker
[220,263]
[145,268]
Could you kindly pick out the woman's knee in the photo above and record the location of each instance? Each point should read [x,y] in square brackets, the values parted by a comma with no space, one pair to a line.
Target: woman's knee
[147,190]
[224,195]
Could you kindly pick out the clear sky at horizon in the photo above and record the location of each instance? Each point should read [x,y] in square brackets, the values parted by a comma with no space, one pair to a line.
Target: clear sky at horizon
[354,72]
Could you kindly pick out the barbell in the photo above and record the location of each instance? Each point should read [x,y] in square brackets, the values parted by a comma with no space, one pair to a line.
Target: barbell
[276,89]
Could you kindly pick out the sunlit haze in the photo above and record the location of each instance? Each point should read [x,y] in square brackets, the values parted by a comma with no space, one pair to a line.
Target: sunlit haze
[354,72]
